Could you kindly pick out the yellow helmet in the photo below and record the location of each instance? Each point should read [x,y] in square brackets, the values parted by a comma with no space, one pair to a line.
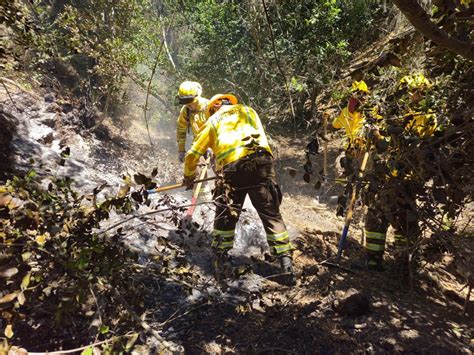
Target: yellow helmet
[188,91]
[416,82]
[359,86]
[218,99]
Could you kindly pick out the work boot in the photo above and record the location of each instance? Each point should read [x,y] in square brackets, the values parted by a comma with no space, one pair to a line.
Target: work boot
[286,265]
[369,263]
[401,253]
[375,265]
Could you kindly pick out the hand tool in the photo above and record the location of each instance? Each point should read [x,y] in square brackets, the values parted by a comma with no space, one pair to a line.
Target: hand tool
[348,219]
[176,186]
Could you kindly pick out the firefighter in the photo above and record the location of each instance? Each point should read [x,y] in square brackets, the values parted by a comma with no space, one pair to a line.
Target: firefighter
[192,115]
[351,120]
[395,203]
[244,159]
[391,195]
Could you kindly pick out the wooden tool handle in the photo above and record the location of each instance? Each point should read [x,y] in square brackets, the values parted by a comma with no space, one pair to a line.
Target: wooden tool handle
[166,188]
[176,186]
[197,189]
[325,145]
[354,189]
[364,163]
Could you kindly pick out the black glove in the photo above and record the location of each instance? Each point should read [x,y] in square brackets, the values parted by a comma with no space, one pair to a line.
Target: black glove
[189,182]
[208,154]
[181,156]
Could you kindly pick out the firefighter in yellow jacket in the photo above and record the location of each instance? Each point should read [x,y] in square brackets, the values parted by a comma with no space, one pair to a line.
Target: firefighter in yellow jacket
[351,119]
[192,115]
[395,202]
[391,201]
[236,136]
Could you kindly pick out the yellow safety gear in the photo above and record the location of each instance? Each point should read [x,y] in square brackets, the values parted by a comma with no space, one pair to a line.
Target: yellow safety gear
[188,91]
[191,118]
[223,240]
[416,81]
[360,86]
[374,112]
[218,98]
[375,241]
[351,122]
[422,124]
[232,133]
[401,242]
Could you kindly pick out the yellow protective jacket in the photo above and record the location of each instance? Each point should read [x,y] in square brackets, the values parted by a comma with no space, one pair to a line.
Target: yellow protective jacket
[194,119]
[232,133]
[351,122]
[422,124]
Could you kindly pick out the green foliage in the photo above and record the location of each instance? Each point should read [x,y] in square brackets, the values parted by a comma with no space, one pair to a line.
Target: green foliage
[18,26]
[420,140]
[102,41]
[219,47]
[228,46]
[113,37]
[52,261]
[421,148]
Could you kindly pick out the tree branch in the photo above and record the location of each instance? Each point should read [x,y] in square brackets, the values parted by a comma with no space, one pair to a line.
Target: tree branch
[287,86]
[18,86]
[422,22]
[151,213]
[170,57]
[153,70]
[143,86]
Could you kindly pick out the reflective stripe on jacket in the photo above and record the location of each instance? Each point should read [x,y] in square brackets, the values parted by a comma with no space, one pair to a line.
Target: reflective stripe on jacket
[197,119]
[232,133]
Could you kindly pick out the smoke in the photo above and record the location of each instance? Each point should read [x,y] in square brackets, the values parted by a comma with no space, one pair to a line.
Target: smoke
[161,115]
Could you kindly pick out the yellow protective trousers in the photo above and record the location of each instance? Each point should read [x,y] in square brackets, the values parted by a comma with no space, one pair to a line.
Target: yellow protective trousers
[253,175]
[401,215]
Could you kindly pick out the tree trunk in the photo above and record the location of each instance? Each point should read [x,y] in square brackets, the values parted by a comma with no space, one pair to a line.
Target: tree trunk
[314,95]
[422,22]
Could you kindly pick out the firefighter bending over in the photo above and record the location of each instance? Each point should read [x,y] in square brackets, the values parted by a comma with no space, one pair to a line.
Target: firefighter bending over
[236,136]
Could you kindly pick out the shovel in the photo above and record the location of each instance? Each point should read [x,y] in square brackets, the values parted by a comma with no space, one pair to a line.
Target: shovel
[177,186]
[347,222]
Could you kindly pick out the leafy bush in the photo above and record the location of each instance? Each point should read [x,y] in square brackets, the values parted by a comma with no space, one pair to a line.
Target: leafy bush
[54,267]
[100,42]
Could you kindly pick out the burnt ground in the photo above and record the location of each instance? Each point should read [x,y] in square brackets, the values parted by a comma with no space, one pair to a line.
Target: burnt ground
[328,311]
